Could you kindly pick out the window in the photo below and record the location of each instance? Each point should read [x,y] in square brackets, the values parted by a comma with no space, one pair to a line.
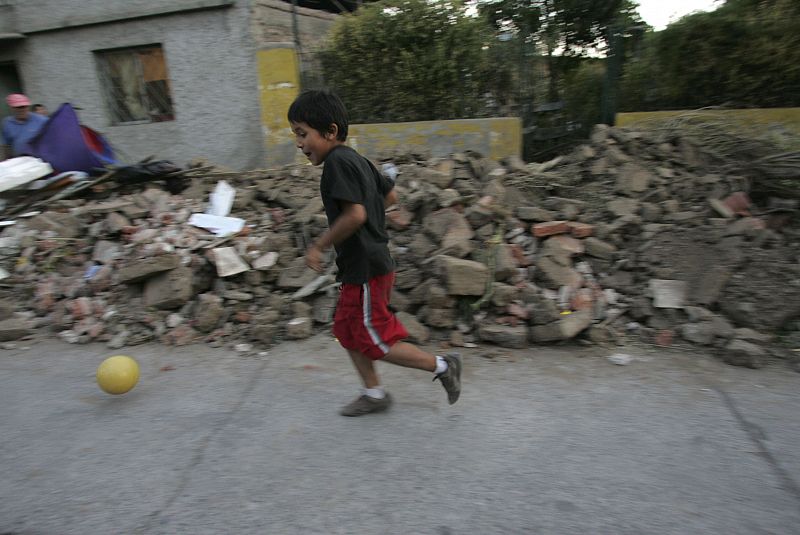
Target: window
[136,84]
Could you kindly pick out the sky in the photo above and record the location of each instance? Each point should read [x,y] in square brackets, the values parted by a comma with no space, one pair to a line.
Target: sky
[659,13]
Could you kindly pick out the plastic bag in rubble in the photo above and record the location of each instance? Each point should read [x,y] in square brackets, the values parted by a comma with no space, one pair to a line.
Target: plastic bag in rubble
[390,170]
[22,170]
[221,199]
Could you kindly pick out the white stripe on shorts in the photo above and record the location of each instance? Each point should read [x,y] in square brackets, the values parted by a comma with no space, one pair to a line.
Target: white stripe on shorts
[373,334]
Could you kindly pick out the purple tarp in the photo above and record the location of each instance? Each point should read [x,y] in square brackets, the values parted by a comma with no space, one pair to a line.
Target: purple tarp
[68,146]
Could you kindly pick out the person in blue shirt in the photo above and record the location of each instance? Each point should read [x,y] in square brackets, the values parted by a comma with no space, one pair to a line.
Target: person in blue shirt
[19,128]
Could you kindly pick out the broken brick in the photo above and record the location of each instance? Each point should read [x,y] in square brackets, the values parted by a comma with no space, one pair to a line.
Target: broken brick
[549,228]
[580,230]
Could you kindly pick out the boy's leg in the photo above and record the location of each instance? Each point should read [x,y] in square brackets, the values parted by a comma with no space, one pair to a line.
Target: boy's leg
[372,325]
[365,368]
[410,356]
[446,368]
[347,317]
[374,399]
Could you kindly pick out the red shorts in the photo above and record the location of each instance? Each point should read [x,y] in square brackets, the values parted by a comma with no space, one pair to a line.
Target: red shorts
[363,321]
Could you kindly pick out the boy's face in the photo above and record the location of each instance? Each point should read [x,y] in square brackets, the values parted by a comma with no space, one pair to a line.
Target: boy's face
[313,144]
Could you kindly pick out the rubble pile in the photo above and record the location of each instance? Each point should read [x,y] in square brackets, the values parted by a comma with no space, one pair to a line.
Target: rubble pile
[633,234]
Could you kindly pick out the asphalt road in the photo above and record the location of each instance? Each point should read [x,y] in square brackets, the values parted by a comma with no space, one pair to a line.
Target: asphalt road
[547,441]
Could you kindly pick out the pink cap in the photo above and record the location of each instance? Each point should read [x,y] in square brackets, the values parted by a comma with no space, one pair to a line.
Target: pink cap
[15,100]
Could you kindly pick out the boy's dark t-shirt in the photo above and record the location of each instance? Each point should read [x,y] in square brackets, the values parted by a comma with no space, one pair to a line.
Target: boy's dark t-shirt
[348,176]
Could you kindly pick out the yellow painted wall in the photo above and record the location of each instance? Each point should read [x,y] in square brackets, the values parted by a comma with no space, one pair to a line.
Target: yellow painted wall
[780,121]
[278,85]
[494,137]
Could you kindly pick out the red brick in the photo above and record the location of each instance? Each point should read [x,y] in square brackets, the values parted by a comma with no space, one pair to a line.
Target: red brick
[46,295]
[81,307]
[664,338]
[519,255]
[180,336]
[90,327]
[518,311]
[551,228]
[582,300]
[738,202]
[580,230]
[242,316]
[278,216]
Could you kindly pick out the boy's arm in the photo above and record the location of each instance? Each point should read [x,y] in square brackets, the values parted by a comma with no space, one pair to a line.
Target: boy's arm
[390,199]
[349,221]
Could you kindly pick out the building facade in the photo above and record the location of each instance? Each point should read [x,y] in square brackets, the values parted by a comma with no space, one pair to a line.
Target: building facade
[176,79]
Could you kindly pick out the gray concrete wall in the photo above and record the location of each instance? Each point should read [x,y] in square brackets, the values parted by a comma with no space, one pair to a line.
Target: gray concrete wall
[210,59]
[41,15]
[272,23]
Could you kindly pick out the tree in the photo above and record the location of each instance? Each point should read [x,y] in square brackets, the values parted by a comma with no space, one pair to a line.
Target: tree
[558,30]
[745,53]
[412,60]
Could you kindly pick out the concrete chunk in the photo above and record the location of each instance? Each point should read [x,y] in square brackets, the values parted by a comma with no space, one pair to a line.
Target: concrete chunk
[599,249]
[297,275]
[504,335]
[169,290]
[439,179]
[450,229]
[463,277]
[563,246]
[228,262]
[147,268]
[63,225]
[556,275]
[105,252]
[441,318]
[299,328]
[668,293]
[623,206]
[741,353]
[13,329]
[103,207]
[721,208]
[417,332]
[534,213]
[266,261]
[698,333]
[567,327]
[633,179]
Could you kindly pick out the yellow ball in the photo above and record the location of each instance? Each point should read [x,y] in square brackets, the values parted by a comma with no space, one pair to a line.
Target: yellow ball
[118,374]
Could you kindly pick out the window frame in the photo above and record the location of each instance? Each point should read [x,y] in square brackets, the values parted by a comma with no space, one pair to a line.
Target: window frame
[111,87]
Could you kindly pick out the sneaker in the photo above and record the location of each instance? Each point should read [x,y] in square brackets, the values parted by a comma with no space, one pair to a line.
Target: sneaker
[451,378]
[365,405]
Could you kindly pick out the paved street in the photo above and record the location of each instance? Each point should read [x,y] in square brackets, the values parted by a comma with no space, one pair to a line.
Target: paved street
[549,440]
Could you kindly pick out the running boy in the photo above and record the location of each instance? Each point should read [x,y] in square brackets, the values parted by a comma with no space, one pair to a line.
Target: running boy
[355,196]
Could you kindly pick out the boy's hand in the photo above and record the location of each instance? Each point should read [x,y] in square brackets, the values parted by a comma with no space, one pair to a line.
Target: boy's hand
[314,258]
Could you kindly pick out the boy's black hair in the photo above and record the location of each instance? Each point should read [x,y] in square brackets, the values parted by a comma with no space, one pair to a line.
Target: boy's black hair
[319,109]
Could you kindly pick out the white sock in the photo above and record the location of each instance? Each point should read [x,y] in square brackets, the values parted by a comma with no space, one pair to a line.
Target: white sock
[375,393]
[441,365]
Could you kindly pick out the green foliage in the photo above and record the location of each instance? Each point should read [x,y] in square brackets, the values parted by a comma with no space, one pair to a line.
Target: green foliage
[746,53]
[583,93]
[574,26]
[407,61]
